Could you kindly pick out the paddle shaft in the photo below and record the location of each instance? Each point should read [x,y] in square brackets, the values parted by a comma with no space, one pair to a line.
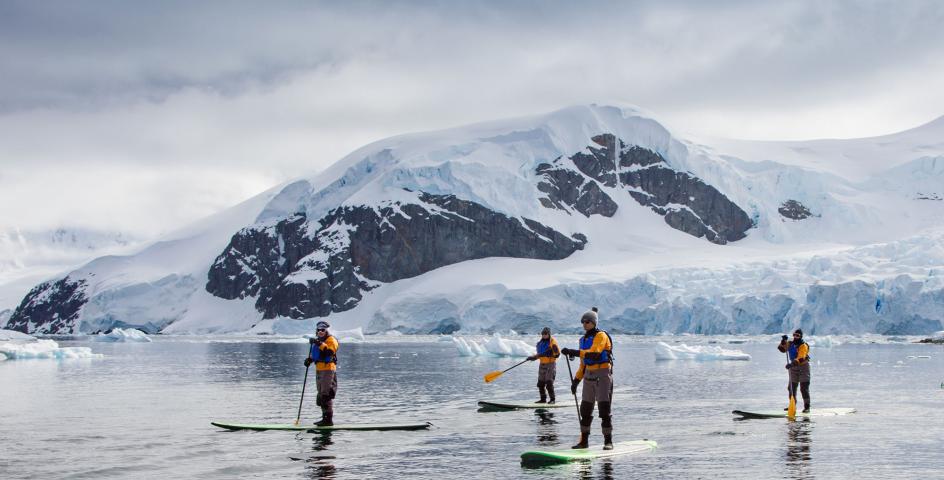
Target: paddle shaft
[515,365]
[571,373]
[790,389]
[304,384]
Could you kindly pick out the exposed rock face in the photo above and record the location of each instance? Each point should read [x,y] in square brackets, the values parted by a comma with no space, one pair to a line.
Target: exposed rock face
[687,203]
[794,210]
[50,307]
[301,269]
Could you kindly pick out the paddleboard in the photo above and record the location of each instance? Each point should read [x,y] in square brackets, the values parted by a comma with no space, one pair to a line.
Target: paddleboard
[517,405]
[313,428]
[816,412]
[541,457]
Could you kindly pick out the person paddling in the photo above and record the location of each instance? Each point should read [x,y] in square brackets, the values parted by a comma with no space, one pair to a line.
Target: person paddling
[547,351]
[596,370]
[798,352]
[326,365]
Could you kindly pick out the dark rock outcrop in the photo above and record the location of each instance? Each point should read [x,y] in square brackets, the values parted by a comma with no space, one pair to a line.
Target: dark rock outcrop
[685,202]
[794,210]
[50,307]
[301,269]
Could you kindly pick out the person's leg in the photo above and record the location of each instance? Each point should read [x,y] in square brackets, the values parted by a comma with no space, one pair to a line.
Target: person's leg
[604,400]
[549,381]
[805,390]
[588,397]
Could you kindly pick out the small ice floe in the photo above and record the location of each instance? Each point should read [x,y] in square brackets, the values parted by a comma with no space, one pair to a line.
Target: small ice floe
[445,338]
[43,349]
[354,335]
[665,351]
[495,346]
[130,335]
[392,333]
[827,341]
[14,335]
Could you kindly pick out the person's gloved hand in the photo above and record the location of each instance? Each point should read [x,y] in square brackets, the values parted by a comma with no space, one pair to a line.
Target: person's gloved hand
[570,352]
[308,362]
[783,338]
[573,386]
[532,358]
[787,366]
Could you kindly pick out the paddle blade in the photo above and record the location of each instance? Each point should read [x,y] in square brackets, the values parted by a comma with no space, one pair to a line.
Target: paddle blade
[792,407]
[489,377]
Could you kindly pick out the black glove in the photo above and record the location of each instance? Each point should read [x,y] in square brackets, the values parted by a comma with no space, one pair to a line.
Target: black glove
[573,386]
[308,362]
[532,358]
[570,352]
[783,338]
[788,365]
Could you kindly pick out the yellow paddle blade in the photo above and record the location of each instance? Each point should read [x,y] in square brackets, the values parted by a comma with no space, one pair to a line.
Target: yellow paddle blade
[792,407]
[489,377]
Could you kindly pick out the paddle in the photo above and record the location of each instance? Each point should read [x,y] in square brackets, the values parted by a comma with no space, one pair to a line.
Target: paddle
[304,384]
[571,373]
[792,406]
[490,377]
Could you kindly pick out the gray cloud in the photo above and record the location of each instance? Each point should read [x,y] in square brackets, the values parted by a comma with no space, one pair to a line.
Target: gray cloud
[183,108]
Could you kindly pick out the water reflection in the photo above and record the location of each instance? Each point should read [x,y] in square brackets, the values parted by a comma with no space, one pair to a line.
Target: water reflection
[798,454]
[547,428]
[585,471]
[320,465]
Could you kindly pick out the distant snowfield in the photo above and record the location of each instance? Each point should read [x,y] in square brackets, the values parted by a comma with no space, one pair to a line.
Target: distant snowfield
[868,260]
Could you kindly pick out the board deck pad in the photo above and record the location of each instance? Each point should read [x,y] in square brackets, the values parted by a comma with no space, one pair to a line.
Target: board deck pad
[815,412]
[542,457]
[512,405]
[314,428]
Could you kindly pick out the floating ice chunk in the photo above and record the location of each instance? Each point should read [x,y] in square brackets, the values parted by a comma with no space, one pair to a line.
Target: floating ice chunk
[496,346]
[665,351]
[827,341]
[393,333]
[19,350]
[123,335]
[14,335]
[355,335]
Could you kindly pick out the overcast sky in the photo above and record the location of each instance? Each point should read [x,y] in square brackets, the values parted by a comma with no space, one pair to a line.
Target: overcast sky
[144,116]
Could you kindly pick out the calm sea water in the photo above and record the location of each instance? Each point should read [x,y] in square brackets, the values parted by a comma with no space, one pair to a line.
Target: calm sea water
[144,411]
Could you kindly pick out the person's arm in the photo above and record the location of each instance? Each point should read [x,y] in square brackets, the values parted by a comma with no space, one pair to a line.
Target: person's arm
[596,349]
[554,350]
[802,354]
[331,345]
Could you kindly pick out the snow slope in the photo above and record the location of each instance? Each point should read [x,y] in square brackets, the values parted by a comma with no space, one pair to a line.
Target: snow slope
[867,259]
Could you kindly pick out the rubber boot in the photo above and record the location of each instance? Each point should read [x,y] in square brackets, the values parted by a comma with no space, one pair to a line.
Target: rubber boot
[608,441]
[550,391]
[584,441]
[326,417]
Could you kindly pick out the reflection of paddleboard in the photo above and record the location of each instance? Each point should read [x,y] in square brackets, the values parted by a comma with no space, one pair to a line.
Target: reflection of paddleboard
[816,412]
[314,428]
[539,457]
[516,405]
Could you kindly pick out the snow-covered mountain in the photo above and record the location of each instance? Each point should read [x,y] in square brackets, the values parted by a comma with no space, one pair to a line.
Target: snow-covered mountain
[28,257]
[524,222]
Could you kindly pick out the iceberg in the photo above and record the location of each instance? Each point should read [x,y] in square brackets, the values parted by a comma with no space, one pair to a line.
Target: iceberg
[43,349]
[495,346]
[665,351]
[14,335]
[130,335]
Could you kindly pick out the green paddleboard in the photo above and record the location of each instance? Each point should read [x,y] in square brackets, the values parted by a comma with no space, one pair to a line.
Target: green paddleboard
[517,405]
[540,457]
[815,412]
[313,428]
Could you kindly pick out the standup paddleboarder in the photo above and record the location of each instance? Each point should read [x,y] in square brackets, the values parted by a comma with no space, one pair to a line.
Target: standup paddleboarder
[547,351]
[799,366]
[326,365]
[596,370]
